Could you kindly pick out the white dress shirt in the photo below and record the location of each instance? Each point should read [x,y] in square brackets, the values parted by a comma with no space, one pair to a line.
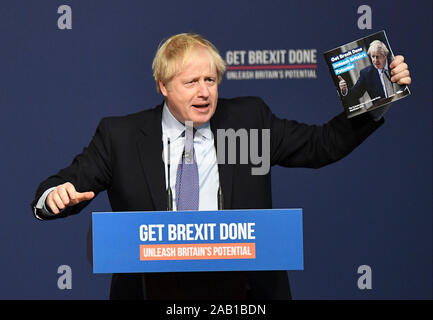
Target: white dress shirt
[381,75]
[205,155]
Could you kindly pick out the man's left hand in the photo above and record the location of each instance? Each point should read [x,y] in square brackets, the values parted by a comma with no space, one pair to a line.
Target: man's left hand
[400,71]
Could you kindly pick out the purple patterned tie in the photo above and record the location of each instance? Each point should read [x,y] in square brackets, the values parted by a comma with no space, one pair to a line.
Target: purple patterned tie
[388,84]
[187,184]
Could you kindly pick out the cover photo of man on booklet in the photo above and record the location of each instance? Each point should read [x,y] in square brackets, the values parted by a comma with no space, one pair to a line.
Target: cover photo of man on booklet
[360,71]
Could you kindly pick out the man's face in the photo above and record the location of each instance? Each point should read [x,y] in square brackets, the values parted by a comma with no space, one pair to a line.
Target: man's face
[378,59]
[192,94]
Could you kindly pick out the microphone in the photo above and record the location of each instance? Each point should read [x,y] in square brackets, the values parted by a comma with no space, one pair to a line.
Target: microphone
[220,198]
[169,193]
[220,194]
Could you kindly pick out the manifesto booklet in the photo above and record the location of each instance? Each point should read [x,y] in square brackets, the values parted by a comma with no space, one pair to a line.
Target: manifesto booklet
[360,72]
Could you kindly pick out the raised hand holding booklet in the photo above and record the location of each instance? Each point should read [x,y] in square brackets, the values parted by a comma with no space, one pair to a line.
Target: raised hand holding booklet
[360,72]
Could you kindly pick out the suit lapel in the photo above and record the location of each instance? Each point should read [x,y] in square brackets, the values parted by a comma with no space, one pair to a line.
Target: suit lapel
[149,144]
[378,84]
[225,171]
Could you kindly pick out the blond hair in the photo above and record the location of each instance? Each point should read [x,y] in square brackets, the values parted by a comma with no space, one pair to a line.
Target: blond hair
[378,47]
[177,49]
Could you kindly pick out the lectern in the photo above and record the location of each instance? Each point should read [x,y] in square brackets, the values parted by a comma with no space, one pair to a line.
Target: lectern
[193,241]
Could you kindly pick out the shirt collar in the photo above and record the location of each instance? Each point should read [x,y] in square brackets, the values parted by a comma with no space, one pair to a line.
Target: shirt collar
[205,130]
[173,129]
[385,68]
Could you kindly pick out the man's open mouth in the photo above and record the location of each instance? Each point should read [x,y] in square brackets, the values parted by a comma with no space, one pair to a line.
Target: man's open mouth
[201,106]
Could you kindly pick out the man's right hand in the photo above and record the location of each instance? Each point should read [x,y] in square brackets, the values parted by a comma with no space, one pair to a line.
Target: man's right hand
[65,195]
[343,85]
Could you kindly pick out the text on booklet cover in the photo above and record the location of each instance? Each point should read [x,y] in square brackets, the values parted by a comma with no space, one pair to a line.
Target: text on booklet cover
[361,74]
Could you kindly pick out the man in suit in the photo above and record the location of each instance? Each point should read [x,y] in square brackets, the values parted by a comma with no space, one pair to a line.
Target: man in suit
[124,158]
[374,79]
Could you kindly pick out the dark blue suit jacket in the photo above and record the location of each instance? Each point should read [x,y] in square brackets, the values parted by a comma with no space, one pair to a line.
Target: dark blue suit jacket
[369,80]
[124,158]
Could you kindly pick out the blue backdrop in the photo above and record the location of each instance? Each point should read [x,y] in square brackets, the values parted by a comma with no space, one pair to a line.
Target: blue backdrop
[372,208]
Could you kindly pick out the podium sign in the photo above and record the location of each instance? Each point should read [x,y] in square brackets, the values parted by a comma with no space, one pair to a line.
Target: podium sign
[186,241]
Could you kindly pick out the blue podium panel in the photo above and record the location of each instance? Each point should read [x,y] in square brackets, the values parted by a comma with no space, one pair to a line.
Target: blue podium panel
[183,241]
